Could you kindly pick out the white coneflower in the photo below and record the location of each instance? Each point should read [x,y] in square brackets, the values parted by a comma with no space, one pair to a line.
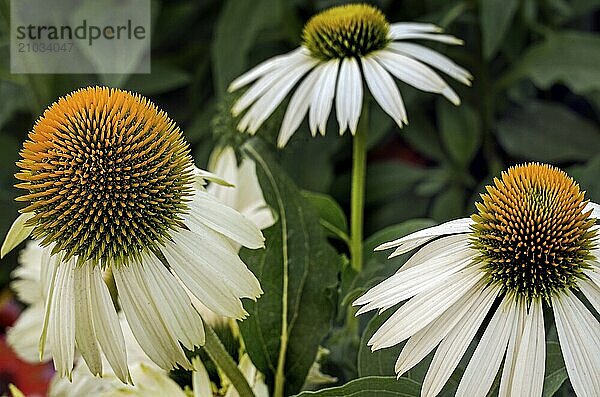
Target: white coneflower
[340,47]
[111,185]
[533,243]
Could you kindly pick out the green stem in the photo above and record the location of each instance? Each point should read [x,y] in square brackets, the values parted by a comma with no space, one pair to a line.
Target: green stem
[357,195]
[215,350]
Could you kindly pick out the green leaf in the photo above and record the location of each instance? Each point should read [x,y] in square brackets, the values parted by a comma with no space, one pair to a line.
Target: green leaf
[164,77]
[567,57]
[495,17]
[450,204]
[298,273]
[380,386]
[556,373]
[549,132]
[235,33]
[588,177]
[387,180]
[380,362]
[460,131]
[331,215]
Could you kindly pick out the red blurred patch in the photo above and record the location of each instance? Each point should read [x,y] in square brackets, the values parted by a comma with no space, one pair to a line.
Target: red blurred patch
[32,380]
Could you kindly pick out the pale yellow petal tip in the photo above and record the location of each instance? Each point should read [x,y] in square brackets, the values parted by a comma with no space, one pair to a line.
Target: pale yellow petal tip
[17,233]
[14,391]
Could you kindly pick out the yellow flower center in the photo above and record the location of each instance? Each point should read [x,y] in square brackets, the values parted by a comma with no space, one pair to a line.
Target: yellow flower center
[532,232]
[346,31]
[107,175]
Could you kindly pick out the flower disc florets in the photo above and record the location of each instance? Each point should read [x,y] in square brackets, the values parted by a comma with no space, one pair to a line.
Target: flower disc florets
[532,232]
[107,175]
[346,31]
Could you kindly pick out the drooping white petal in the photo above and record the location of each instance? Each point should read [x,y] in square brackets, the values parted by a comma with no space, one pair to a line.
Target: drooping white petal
[49,279]
[322,97]
[61,327]
[528,378]
[206,209]
[384,90]
[423,342]
[107,324]
[85,335]
[595,208]
[218,278]
[415,73]
[403,27]
[260,87]
[147,323]
[181,318]
[434,59]
[267,103]
[419,278]
[512,352]
[485,362]
[349,95]
[591,289]
[424,308]
[261,69]
[299,105]
[413,240]
[17,233]
[434,249]
[442,38]
[455,344]
[578,332]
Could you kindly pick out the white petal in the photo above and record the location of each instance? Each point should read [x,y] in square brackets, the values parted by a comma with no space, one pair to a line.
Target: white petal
[528,378]
[261,69]
[578,332]
[181,318]
[424,308]
[17,233]
[298,105]
[250,200]
[198,276]
[349,95]
[27,277]
[403,27]
[210,211]
[147,323]
[591,290]
[421,277]
[50,279]
[61,328]
[485,362]
[85,335]
[413,240]
[384,90]
[415,73]
[595,208]
[265,106]
[107,324]
[443,38]
[434,59]
[423,342]
[512,352]
[260,87]
[224,163]
[434,249]
[24,336]
[323,94]
[200,379]
[455,344]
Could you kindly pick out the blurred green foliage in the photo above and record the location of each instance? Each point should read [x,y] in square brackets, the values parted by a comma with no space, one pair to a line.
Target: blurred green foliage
[535,97]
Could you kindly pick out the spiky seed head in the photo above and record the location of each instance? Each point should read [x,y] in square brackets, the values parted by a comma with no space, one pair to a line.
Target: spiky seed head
[352,30]
[107,175]
[532,232]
